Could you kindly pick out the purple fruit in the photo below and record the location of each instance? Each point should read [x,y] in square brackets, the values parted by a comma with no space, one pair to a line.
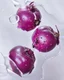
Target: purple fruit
[45,39]
[29,17]
[24,59]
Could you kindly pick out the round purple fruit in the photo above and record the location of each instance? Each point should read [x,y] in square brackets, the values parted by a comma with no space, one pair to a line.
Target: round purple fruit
[45,39]
[23,58]
[29,17]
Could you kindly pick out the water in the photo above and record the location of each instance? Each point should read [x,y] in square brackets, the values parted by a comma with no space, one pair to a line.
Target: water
[18,37]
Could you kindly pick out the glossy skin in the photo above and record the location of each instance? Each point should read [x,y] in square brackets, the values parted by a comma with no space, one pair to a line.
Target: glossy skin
[14,68]
[45,39]
[26,21]
[29,17]
[24,59]
[36,12]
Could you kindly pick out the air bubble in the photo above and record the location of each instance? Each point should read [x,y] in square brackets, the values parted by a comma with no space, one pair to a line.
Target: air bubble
[14,19]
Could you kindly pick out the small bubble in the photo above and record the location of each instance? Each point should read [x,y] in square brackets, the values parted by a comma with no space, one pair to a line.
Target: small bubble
[26,65]
[30,20]
[47,35]
[14,19]
[50,44]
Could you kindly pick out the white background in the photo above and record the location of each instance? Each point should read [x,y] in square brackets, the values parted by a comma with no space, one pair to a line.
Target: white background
[10,36]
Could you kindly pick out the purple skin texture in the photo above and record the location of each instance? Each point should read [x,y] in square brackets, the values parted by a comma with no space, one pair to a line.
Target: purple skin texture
[14,68]
[45,39]
[24,59]
[29,17]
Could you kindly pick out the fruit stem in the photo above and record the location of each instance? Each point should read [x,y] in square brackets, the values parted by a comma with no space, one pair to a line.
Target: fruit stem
[31,3]
[57,34]
[57,29]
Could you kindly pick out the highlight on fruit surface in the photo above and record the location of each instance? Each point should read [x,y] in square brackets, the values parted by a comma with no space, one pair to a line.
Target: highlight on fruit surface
[29,17]
[23,58]
[44,39]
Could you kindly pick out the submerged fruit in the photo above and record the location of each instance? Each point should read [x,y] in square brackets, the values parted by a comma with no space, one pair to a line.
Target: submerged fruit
[29,17]
[23,58]
[45,39]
